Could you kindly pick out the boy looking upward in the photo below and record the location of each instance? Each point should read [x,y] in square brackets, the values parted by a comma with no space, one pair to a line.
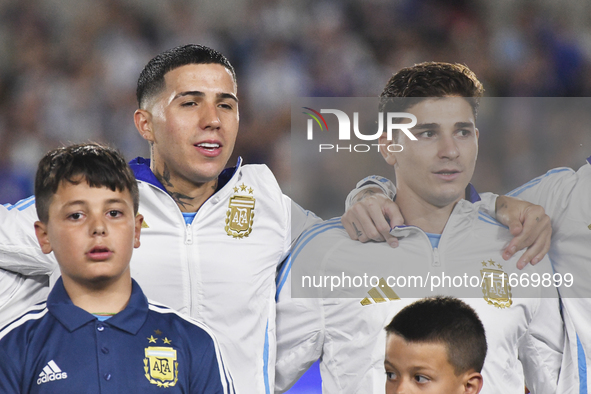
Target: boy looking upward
[97,332]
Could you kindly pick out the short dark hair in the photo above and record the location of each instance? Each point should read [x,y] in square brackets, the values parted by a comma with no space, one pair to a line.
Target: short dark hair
[430,79]
[98,165]
[444,320]
[151,80]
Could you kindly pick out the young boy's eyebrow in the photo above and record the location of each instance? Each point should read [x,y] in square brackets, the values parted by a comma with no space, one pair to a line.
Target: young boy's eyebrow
[115,201]
[75,202]
[388,363]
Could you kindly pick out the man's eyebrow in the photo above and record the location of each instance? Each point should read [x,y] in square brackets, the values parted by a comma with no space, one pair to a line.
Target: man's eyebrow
[437,125]
[189,93]
[227,96]
[427,126]
[386,362]
[201,94]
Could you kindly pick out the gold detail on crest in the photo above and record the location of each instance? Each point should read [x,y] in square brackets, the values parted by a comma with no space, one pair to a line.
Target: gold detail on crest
[589,227]
[160,366]
[144,223]
[240,214]
[495,286]
[377,296]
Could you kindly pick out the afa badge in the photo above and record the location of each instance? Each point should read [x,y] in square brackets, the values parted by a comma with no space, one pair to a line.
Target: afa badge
[160,364]
[240,214]
[495,285]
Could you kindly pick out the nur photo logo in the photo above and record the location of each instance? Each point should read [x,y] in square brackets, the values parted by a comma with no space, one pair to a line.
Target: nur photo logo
[392,122]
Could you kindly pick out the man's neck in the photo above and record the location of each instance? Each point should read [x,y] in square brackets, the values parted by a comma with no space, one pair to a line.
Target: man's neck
[189,196]
[109,298]
[427,217]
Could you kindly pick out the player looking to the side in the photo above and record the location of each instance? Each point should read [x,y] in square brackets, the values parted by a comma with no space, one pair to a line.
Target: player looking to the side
[446,234]
[435,346]
[213,237]
[97,332]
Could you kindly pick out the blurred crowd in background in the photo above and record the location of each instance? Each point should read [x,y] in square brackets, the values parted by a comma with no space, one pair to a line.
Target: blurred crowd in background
[68,69]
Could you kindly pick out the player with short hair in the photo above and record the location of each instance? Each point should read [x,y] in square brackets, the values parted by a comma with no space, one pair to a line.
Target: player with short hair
[97,332]
[447,233]
[435,345]
[213,237]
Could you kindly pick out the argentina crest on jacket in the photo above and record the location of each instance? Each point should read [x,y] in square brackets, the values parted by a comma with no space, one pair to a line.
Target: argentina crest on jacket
[240,214]
[160,364]
[495,285]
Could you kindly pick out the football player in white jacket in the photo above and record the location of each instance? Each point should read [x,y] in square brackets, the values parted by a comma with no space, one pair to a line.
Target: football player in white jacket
[446,235]
[213,238]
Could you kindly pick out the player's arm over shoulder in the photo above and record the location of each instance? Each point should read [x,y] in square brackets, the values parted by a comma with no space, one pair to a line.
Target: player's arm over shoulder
[19,249]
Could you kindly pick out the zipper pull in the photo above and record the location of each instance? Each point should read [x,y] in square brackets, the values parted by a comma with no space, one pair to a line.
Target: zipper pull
[436,262]
[188,235]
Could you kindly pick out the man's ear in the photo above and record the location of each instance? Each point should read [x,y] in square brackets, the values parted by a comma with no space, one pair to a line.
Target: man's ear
[43,237]
[473,382]
[143,124]
[388,155]
[139,219]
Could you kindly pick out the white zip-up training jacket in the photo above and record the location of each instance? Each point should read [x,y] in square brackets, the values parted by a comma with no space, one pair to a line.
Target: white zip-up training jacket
[566,197]
[523,326]
[220,269]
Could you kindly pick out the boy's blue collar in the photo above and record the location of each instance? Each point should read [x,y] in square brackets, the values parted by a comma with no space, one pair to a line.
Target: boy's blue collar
[130,319]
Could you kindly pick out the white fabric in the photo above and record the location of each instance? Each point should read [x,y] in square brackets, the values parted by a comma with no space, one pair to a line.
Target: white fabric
[349,338]
[566,197]
[17,293]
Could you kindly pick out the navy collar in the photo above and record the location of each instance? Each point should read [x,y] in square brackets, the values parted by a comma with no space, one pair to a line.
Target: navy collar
[141,169]
[589,160]
[130,319]
[471,194]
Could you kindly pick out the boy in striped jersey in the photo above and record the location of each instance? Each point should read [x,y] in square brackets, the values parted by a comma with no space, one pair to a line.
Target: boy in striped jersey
[97,332]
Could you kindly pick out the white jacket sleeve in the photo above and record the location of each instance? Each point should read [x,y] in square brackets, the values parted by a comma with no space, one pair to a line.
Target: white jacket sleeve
[371,181]
[300,336]
[541,348]
[551,191]
[301,220]
[19,249]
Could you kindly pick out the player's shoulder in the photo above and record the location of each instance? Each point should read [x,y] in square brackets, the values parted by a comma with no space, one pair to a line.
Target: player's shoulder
[25,325]
[259,173]
[321,237]
[557,178]
[192,329]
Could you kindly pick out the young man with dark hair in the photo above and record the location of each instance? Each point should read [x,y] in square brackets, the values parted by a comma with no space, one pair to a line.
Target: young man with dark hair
[446,234]
[410,86]
[564,195]
[97,332]
[213,237]
[435,345]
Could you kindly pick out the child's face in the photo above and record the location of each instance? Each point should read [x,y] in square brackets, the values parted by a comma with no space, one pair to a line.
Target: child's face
[421,368]
[92,232]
